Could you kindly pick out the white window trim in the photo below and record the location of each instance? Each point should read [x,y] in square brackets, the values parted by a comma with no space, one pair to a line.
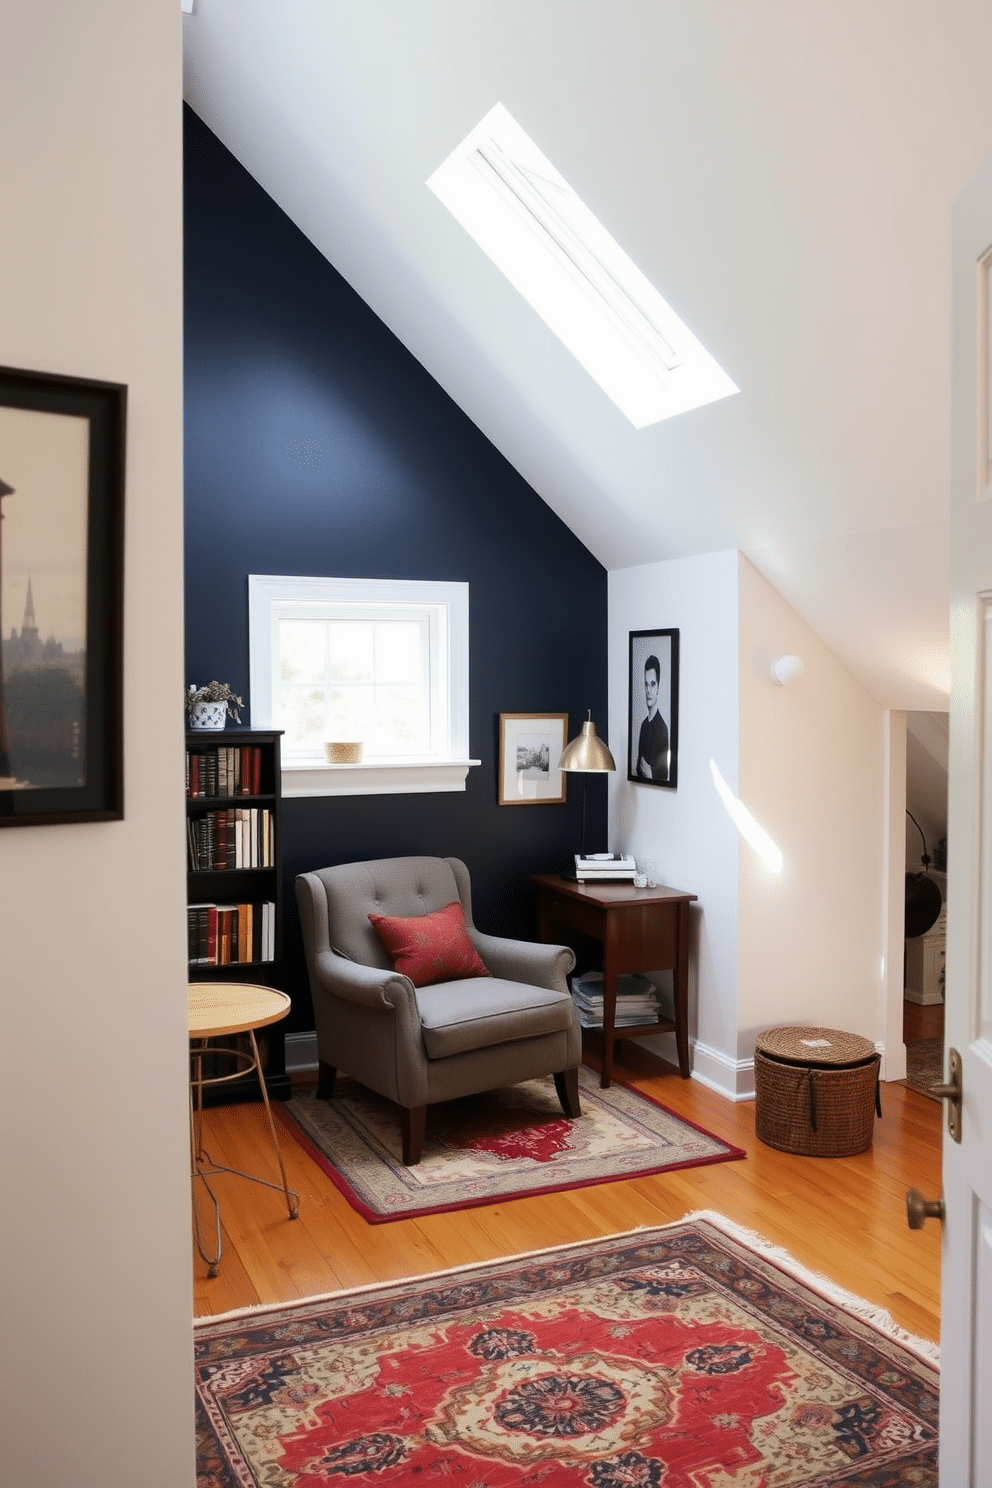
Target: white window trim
[312,778]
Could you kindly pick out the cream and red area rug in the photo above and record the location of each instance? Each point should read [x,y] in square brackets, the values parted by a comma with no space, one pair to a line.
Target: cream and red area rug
[487,1148]
[691,1356]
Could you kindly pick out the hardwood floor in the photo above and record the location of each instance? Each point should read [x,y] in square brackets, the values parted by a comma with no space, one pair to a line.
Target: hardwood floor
[922,1022]
[842,1217]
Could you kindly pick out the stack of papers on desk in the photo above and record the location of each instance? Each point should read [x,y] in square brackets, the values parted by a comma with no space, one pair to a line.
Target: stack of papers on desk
[637,1000]
[605,868]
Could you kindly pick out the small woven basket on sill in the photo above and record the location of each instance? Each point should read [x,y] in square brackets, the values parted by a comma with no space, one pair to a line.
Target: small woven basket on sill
[816,1091]
[339,753]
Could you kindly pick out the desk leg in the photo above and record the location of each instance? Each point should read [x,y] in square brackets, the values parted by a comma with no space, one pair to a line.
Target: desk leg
[680,982]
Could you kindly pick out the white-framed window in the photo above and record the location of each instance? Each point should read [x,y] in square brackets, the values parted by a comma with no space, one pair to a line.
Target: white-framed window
[378,662]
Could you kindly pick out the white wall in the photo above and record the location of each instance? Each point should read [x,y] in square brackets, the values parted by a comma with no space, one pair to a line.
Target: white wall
[813,764]
[813,772]
[687,831]
[96,1388]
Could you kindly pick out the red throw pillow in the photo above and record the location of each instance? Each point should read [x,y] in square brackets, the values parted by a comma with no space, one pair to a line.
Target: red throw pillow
[432,947]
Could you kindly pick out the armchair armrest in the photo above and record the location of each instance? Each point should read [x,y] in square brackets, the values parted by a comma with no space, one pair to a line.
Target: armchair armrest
[367,985]
[531,962]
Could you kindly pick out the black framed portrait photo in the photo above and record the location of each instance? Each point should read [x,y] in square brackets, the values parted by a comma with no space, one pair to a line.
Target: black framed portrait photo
[653,709]
[61,598]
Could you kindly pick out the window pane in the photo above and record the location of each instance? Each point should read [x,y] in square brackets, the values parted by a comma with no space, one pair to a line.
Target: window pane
[399,651]
[350,651]
[302,717]
[366,660]
[402,724]
[302,650]
[349,715]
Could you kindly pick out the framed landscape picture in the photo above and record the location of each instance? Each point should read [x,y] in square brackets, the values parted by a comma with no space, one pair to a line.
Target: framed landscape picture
[530,746]
[653,708]
[61,598]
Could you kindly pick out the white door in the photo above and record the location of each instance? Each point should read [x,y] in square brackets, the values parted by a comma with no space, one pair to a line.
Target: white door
[966,1288]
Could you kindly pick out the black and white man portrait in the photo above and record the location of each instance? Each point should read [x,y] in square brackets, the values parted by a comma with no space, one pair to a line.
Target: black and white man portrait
[653,721]
[652,740]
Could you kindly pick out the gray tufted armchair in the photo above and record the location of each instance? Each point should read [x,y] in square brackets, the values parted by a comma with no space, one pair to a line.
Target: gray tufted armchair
[420,1045]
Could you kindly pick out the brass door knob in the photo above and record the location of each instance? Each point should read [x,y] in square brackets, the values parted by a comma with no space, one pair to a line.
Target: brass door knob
[919,1209]
[952,1092]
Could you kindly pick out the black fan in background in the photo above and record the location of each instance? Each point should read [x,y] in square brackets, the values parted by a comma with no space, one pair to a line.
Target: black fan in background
[923,896]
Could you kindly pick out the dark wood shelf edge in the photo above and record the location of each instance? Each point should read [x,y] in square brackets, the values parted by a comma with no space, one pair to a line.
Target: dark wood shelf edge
[195,973]
[634,1030]
[209,802]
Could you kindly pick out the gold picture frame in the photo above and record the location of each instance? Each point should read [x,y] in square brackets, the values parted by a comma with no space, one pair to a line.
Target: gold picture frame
[530,746]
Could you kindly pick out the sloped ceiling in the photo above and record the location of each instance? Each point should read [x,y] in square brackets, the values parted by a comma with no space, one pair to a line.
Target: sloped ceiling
[782,170]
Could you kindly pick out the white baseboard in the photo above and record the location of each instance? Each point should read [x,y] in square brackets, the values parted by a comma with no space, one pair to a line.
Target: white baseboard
[923,999]
[731,1078]
[893,1061]
[301,1053]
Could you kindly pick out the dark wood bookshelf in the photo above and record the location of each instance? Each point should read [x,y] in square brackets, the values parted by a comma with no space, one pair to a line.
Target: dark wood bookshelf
[236,886]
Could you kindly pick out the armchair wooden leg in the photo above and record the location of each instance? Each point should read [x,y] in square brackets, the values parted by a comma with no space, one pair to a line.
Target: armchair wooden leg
[326,1075]
[567,1086]
[414,1125]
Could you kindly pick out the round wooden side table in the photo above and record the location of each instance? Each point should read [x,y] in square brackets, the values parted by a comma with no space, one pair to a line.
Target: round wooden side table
[221,1010]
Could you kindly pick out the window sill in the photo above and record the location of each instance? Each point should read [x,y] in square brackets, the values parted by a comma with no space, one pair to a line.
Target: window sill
[313,779]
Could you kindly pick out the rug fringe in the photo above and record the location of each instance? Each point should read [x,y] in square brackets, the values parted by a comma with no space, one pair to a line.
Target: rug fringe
[868,1312]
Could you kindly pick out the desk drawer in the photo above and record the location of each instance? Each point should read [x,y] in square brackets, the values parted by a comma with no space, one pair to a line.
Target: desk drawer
[642,937]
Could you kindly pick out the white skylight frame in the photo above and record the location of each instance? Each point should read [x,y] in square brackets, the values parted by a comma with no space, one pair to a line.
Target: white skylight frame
[526,218]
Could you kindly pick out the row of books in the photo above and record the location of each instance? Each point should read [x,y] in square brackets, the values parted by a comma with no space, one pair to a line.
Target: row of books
[228,770]
[637,1000]
[604,868]
[226,934]
[233,837]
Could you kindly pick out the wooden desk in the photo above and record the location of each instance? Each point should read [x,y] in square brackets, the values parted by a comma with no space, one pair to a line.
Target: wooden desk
[639,930]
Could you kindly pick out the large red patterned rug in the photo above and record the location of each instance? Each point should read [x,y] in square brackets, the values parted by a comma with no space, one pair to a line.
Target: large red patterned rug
[495,1146]
[691,1356]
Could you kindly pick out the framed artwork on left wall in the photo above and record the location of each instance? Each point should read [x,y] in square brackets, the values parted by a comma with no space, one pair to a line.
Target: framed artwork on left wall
[530,746]
[61,598]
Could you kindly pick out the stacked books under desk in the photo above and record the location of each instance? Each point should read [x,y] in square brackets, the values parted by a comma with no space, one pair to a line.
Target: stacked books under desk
[604,868]
[637,1000]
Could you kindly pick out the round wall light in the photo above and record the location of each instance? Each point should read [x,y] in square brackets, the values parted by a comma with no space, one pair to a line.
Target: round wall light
[788,669]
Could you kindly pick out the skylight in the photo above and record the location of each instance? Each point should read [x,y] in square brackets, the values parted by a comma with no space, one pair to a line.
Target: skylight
[569,269]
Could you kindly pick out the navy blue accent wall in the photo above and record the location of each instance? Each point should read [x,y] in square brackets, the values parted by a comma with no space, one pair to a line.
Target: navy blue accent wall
[316,444]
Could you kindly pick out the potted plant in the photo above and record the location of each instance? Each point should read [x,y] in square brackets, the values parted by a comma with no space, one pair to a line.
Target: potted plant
[209,706]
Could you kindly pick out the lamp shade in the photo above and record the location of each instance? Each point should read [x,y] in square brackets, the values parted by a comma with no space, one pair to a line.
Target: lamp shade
[587,751]
[924,901]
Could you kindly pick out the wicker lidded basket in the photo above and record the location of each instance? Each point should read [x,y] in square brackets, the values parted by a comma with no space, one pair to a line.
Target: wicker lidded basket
[816,1091]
